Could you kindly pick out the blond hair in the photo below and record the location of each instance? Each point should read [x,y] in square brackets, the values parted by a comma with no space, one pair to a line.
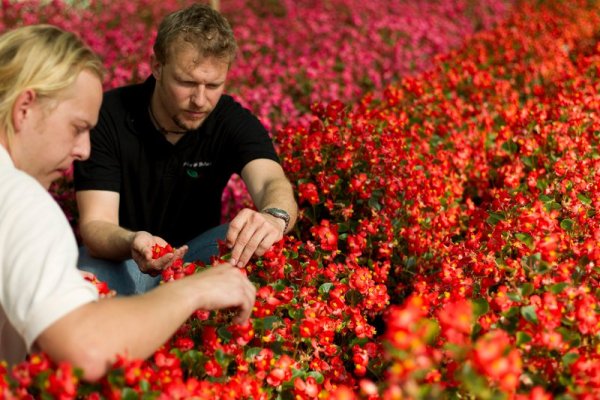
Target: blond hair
[42,58]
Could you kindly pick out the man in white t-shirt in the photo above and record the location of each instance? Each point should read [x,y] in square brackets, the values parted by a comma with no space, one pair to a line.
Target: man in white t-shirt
[50,95]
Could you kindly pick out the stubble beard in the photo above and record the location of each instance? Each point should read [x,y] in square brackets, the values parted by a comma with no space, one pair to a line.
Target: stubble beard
[184,125]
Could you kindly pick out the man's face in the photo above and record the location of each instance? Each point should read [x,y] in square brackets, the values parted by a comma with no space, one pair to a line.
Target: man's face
[57,132]
[188,87]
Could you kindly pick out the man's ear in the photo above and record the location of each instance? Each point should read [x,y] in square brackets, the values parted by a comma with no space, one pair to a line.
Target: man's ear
[155,66]
[22,108]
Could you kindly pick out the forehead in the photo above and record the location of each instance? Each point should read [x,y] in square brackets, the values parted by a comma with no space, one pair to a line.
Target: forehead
[185,56]
[82,99]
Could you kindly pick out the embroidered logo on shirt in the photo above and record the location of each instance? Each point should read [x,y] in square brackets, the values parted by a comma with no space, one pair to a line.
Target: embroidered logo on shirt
[191,168]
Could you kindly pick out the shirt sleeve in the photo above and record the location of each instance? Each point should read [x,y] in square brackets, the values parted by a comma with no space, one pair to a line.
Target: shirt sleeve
[248,136]
[40,282]
[102,170]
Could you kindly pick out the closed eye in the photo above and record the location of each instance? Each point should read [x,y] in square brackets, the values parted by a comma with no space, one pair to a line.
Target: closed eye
[81,129]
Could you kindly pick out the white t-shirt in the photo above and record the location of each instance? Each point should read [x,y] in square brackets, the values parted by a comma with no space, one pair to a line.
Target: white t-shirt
[39,281]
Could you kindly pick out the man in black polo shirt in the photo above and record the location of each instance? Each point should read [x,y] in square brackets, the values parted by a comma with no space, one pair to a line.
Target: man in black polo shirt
[162,153]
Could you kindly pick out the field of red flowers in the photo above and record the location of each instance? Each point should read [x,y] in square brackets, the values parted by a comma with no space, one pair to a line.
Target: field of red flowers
[449,239]
[292,53]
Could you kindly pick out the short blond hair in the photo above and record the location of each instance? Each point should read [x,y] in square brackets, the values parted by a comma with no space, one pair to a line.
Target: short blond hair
[42,58]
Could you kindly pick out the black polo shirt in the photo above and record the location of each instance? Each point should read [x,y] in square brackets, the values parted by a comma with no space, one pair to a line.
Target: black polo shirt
[173,191]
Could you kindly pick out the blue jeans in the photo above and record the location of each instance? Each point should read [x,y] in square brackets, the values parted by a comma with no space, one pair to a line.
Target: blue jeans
[126,278]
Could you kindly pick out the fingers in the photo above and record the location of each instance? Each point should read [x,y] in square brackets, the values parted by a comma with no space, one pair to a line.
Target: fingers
[141,252]
[111,293]
[224,286]
[141,245]
[154,267]
[251,233]
[87,275]
[257,245]
[180,252]
[266,243]
[235,227]
[244,246]
[247,305]
[158,265]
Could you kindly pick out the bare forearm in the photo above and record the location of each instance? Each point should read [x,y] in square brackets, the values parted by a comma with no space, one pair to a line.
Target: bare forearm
[107,240]
[93,335]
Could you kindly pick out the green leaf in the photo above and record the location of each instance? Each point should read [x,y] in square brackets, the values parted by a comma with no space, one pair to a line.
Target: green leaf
[558,287]
[525,238]
[528,312]
[319,378]
[325,288]
[533,263]
[129,394]
[374,204]
[150,395]
[114,377]
[567,224]
[510,147]
[191,357]
[584,199]
[568,185]
[432,330]
[221,358]
[480,307]
[293,313]
[343,227]
[511,312]
[549,202]
[358,341]
[297,373]
[476,330]
[279,285]
[569,336]
[435,140]
[253,352]
[494,218]
[353,297]
[475,383]
[266,323]
[523,338]
[553,206]
[224,334]
[526,289]
[144,385]
[528,161]
[514,296]
[569,359]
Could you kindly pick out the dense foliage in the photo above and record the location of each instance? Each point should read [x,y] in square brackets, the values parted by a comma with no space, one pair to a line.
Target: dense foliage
[447,245]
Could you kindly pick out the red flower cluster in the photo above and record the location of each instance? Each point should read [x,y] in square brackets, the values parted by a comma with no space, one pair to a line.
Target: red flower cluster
[447,244]
[158,251]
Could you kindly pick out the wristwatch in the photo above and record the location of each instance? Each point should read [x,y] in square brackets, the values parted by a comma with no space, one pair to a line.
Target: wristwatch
[279,213]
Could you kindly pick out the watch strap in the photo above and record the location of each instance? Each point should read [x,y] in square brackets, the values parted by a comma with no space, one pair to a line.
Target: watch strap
[278,213]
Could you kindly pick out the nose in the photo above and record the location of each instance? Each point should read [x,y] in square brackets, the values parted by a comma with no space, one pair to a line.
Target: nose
[198,98]
[82,148]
